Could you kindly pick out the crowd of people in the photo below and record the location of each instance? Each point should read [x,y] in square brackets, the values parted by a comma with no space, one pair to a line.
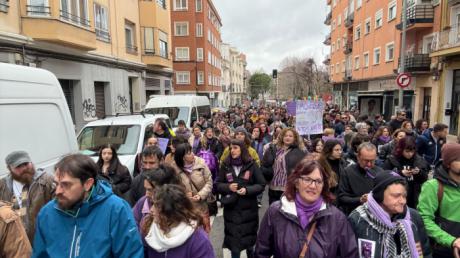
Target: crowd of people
[364,188]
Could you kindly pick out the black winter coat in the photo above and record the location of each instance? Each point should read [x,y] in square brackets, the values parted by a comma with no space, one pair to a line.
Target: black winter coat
[119,178]
[241,218]
[414,184]
[294,156]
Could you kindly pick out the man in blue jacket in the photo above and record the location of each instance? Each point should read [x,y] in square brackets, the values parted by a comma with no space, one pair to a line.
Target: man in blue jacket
[86,219]
[430,142]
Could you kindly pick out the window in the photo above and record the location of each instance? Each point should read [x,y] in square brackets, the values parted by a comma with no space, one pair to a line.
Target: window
[182,54]
[130,37]
[337,68]
[209,35]
[333,47]
[73,11]
[392,10]
[366,59]
[358,32]
[359,3]
[378,18]
[180,5]
[199,54]
[428,44]
[101,22]
[376,56]
[181,28]
[199,5]
[389,52]
[34,7]
[200,77]
[343,66]
[209,78]
[339,20]
[356,62]
[209,57]
[162,3]
[4,5]
[338,43]
[149,48]
[163,37]
[183,77]
[199,30]
[367,26]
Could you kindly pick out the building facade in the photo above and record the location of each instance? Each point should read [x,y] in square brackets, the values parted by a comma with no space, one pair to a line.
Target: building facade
[364,61]
[196,46]
[237,76]
[96,48]
[224,96]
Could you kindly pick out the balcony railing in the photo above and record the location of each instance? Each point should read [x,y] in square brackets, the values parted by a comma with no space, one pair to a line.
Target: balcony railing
[418,14]
[4,6]
[103,34]
[348,48]
[38,10]
[417,63]
[81,21]
[448,38]
[149,51]
[349,20]
[327,41]
[328,18]
[131,49]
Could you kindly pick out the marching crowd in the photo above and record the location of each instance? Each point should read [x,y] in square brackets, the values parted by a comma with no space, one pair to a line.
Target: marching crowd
[364,188]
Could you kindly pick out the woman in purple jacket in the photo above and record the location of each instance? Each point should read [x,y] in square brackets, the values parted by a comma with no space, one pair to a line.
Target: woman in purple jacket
[303,223]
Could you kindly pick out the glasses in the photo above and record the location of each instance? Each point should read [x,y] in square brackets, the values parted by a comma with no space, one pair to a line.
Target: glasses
[310,181]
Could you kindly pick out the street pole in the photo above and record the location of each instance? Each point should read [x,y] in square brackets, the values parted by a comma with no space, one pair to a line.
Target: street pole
[402,54]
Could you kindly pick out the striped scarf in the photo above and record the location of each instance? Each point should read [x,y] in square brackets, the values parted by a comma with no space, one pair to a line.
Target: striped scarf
[279,169]
[368,212]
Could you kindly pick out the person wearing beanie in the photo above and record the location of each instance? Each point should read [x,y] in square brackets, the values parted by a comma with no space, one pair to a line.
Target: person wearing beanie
[385,226]
[439,203]
[241,134]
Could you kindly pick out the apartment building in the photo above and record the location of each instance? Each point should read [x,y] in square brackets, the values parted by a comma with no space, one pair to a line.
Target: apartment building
[96,49]
[224,96]
[197,60]
[364,61]
[237,76]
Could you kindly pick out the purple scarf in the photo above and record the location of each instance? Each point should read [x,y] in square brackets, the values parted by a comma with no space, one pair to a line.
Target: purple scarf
[377,211]
[385,139]
[189,167]
[305,211]
[238,162]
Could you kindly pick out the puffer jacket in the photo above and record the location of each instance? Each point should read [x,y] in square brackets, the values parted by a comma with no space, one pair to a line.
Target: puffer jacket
[281,235]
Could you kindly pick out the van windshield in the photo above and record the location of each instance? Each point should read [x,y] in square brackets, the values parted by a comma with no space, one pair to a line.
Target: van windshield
[175,113]
[124,138]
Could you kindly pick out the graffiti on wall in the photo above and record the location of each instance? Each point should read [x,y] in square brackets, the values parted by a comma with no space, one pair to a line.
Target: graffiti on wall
[121,104]
[89,109]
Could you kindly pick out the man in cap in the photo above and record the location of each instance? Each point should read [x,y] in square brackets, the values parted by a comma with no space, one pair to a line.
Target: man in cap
[13,238]
[439,203]
[27,188]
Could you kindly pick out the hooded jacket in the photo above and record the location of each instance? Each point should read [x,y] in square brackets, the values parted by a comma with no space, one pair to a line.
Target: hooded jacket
[281,235]
[428,147]
[444,234]
[102,226]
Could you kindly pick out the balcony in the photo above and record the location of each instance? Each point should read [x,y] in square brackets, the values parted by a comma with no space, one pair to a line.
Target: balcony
[348,48]
[131,49]
[418,16]
[38,10]
[327,60]
[327,41]
[447,42]
[349,20]
[77,20]
[417,63]
[328,18]
[4,6]
[103,35]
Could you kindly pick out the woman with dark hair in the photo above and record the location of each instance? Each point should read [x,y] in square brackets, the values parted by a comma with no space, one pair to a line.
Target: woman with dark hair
[279,161]
[196,177]
[111,170]
[265,132]
[239,182]
[382,136]
[194,140]
[409,127]
[420,126]
[411,166]
[169,159]
[174,226]
[258,141]
[304,223]
[388,148]
[332,155]
[316,148]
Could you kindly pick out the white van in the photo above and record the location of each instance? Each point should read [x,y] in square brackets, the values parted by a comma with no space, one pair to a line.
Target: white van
[34,117]
[180,107]
[128,134]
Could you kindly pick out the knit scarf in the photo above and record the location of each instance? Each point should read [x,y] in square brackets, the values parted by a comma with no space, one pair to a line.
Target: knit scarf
[380,220]
[279,168]
[385,139]
[305,211]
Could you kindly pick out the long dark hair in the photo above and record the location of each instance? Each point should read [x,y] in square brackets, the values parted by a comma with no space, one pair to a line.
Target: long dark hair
[113,162]
[328,148]
[244,152]
[181,150]
[406,143]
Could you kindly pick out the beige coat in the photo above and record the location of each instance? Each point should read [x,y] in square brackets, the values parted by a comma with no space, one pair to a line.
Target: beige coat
[13,238]
[199,181]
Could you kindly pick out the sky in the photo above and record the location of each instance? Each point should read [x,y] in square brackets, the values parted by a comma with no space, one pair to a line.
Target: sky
[268,31]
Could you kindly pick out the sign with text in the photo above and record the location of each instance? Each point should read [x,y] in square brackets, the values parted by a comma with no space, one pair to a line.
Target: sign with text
[163,144]
[309,117]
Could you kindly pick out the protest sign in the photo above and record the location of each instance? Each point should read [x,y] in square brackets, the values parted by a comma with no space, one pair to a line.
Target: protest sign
[163,144]
[309,117]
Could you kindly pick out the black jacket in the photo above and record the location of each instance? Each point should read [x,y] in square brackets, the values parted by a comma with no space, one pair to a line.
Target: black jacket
[137,190]
[386,150]
[414,184]
[241,218]
[118,176]
[353,184]
[292,158]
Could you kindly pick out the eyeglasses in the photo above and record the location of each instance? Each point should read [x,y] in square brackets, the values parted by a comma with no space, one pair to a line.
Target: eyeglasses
[310,181]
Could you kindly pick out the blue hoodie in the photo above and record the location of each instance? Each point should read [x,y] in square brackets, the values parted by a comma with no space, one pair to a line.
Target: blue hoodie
[103,226]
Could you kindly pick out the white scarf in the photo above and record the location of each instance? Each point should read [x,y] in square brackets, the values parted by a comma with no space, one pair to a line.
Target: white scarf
[176,237]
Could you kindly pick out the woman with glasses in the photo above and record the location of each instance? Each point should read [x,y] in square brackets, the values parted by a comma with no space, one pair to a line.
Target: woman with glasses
[304,223]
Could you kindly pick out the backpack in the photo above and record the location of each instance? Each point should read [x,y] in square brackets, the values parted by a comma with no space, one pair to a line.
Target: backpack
[210,159]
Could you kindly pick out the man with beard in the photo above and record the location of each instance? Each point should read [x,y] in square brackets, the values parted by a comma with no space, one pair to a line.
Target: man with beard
[27,188]
[86,219]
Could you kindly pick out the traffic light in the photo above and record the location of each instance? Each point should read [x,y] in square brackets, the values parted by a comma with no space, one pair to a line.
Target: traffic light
[275,74]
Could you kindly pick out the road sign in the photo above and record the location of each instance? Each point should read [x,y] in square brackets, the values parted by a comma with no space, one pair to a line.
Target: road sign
[403,80]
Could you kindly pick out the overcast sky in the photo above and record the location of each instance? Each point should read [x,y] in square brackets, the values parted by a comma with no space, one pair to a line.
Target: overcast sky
[267,31]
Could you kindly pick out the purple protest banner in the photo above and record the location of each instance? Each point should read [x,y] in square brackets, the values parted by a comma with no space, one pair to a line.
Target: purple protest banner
[291,107]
